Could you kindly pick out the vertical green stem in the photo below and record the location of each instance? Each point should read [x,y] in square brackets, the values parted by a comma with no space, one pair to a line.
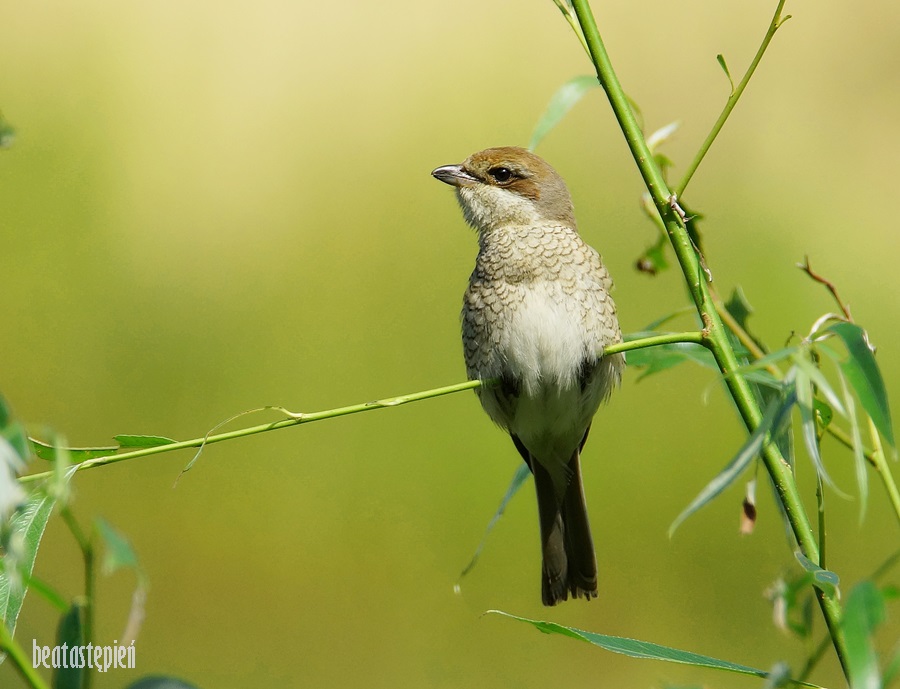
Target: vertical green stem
[718,342]
[87,554]
[820,505]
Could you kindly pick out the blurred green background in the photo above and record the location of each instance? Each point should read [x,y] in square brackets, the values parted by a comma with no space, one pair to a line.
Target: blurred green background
[216,206]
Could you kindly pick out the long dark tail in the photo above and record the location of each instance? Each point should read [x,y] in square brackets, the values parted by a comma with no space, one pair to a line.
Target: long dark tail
[569,563]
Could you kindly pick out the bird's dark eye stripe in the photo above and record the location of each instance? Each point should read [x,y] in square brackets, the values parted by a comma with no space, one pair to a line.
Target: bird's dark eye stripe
[501,174]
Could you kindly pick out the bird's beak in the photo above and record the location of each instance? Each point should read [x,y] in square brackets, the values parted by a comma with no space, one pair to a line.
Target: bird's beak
[454,175]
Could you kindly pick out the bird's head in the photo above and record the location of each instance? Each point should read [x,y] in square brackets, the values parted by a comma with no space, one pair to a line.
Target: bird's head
[508,186]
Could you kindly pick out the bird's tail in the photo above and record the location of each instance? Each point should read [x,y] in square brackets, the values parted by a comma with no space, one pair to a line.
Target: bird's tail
[569,563]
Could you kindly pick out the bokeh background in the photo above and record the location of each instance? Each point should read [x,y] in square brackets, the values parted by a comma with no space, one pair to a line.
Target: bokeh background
[215,206]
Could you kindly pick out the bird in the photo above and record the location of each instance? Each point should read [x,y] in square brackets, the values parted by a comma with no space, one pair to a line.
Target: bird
[536,318]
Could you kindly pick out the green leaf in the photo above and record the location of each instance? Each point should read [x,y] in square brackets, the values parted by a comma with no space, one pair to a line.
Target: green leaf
[775,414]
[518,479]
[823,579]
[560,103]
[808,424]
[740,309]
[864,377]
[763,362]
[119,552]
[26,528]
[721,60]
[863,613]
[639,649]
[70,633]
[48,451]
[859,458]
[141,441]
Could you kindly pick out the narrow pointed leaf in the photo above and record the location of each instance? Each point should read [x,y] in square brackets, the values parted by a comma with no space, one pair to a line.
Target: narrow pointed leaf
[821,382]
[119,552]
[28,524]
[862,478]
[775,413]
[864,376]
[135,442]
[560,103]
[639,649]
[661,135]
[808,426]
[763,362]
[49,451]
[721,60]
[518,479]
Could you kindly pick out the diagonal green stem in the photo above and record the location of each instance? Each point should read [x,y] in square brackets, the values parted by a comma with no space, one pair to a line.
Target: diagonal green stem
[718,342]
[774,25]
[20,660]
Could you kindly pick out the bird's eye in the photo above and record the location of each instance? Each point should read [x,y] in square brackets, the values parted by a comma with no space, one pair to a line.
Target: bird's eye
[501,174]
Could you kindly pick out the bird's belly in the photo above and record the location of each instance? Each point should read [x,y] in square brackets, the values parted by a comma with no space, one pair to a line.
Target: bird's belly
[552,424]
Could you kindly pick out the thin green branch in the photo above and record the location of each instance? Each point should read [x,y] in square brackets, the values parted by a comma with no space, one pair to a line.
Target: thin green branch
[878,462]
[694,336]
[774,25]
[297,418]
[20,659]
[881,466]
[718,342]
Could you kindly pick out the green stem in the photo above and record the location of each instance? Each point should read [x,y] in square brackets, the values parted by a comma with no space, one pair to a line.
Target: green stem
[718,343]
[300,418]
[19,659]
[877,460]
[87,553]
[880,463]
[694,336]
[820,505]
[774,25]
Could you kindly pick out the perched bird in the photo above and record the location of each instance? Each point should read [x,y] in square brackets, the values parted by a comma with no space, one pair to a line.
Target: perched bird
[536,317]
